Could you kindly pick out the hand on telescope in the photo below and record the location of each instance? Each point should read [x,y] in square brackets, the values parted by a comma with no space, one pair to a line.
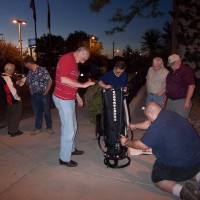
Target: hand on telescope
[123,140]
[132,126]
[108,86]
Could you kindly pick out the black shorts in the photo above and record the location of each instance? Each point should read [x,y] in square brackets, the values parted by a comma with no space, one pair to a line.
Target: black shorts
[162,172]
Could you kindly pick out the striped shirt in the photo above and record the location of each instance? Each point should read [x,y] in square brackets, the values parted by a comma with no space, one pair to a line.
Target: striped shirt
[66,67]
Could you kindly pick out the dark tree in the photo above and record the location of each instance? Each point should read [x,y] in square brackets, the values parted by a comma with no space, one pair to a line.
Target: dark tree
[80,38]
[127,52]
[49,48]
[152,42]
[76,40]
[9,53]
[135,60]
[188,16]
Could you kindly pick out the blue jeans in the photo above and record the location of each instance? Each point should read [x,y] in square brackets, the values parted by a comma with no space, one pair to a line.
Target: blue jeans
[68,120]
[40,105]
[154,98]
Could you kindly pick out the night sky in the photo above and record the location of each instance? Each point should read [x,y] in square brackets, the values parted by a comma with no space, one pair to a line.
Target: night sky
[68,16]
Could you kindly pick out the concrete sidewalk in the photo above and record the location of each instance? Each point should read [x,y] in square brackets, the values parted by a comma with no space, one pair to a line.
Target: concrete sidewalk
[29,166]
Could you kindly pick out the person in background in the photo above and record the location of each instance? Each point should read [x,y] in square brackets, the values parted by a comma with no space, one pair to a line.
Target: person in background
[156,82]
[176,146]
[115,78]
[40,83]
[180,86]
[9,94]
[64,96]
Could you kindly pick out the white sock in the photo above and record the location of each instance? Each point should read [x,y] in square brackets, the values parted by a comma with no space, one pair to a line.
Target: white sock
[198,177]
[177,189]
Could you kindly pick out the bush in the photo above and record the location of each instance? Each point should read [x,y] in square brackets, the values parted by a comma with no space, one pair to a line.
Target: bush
[93,101]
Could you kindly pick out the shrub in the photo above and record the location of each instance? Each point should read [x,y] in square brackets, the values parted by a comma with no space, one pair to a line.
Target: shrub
[93,101]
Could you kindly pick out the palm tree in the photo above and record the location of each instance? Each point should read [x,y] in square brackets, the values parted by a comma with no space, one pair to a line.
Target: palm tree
[152,42]
[127,52]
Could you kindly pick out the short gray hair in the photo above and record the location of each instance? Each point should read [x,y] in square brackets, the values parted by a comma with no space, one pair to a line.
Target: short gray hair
[159,60]
[83,49]
[9,67]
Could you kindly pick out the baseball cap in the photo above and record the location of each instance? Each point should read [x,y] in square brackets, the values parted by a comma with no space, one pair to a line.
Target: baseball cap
[172,59]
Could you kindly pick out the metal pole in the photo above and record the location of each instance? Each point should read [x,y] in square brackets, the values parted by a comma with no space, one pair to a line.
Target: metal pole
[113,49]
[31,51]
[90,43]
[20,37]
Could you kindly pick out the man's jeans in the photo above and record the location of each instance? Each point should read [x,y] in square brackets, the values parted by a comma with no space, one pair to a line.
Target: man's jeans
[40,105]
[68,120]
[154,98]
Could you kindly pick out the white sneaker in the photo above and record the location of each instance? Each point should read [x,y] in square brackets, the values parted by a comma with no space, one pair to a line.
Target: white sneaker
[36,131]
[135,152]
[50,131]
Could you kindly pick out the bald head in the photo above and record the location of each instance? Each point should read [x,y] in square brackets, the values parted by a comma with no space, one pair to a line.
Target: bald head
[157,63]
[9,68]
[81,55]
[152,110]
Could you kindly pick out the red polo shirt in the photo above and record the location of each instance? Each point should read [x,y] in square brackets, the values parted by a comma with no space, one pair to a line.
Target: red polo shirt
[66,67]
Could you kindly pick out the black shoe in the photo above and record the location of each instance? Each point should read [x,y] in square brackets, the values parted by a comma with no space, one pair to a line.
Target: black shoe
[16,134]
[71,163]
[77,152]
[190,191]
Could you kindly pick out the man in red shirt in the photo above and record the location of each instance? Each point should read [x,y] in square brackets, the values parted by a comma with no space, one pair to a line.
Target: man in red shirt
[64,96]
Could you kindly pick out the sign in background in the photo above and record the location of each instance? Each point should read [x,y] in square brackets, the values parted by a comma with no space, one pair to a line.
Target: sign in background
[31,42]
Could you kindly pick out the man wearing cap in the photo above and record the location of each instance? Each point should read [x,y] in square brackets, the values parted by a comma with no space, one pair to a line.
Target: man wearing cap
[180,85]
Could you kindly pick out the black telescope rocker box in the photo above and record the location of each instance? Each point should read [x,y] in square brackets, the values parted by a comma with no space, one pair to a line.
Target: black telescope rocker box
[112,123]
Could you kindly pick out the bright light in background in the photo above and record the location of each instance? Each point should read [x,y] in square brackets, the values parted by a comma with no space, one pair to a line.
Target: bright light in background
[15,21]
[131,36]
[19,22]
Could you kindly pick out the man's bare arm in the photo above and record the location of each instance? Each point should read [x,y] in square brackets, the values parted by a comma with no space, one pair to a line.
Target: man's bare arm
[76,84]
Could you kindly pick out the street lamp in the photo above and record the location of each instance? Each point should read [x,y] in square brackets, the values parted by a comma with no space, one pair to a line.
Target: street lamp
[19,22]
[91,38]
[115,51]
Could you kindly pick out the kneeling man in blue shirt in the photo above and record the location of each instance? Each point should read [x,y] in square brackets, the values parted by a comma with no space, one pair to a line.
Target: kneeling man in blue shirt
[176,145]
